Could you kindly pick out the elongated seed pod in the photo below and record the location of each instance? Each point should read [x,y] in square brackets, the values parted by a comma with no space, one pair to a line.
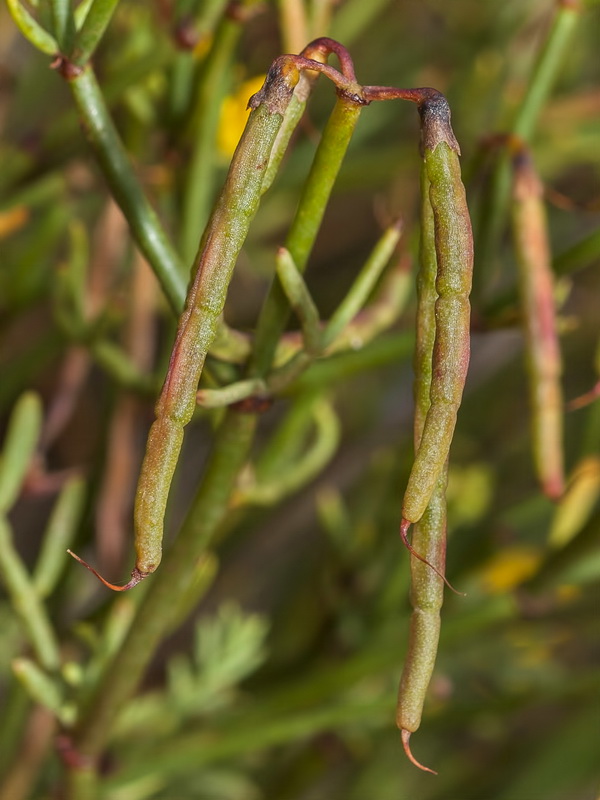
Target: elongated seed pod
[454,253]
[219,248]
[530,233]
[429,534]
[426,597]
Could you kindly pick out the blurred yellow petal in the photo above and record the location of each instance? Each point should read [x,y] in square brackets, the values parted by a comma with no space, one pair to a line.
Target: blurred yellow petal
[12,220]
[577,503]
[509,568]
[234,114]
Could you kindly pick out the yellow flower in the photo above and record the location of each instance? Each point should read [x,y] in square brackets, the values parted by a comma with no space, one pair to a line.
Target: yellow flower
[509,568]
[234,113]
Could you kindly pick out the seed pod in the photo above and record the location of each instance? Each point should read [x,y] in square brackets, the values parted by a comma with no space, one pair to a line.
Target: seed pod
[217,255]
[530,233]
[429,534]
[454,252]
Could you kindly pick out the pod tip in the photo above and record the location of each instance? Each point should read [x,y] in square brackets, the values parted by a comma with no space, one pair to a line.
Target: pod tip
[136,575]
[406,745]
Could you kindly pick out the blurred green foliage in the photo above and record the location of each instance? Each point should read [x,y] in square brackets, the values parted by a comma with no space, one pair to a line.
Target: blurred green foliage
[279,677]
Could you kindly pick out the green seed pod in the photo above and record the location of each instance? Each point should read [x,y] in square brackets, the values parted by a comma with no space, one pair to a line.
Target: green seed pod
[454,253]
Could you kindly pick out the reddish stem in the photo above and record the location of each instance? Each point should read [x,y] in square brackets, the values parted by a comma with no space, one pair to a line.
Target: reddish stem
[405,743]
[324,45]
[345,85]
[418,96]
[137,576]
[584,399]
[404,526]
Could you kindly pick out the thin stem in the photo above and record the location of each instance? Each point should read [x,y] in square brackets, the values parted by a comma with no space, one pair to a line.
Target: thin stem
[92,30]
[303,468]
[63,24]
[200,171]
[494,208]
[31,28]
[301,237]
[363,284]
[19,447]
[546,68]
[300,300]
[59,533]
[82,783]
[25,601]
[126,188]
[293,24]
[179,568]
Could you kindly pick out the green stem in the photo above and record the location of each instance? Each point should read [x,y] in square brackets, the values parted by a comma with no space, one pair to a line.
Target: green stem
[580,255]
[200,172]
[58,535]
[363,284]
[15,705]
[126,188]
[26,603]
[301,237]
[495,205]
[300,300]
[63,24]
[31,28]
[20,442]
[546,68]
[154,615]
[303,468]
[88,37]
[82,783]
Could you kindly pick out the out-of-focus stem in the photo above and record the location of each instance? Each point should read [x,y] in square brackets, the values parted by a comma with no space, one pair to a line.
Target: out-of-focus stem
[63,24]
[24,599]
[154,615]
[126,188]
[541,341]
[293,24]
[92,30]
[545,70]
[199,174]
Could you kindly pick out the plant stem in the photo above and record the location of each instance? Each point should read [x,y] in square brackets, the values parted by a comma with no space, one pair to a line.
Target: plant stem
[31,28]
[126,188]
[154,615]
[495,205]
[306,224]
[63,24]
[26,603]
[92,30]
[200,172]
[546,68]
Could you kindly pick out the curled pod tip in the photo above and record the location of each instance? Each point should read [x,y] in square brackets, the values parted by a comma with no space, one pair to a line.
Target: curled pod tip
[137,576]
[406,745]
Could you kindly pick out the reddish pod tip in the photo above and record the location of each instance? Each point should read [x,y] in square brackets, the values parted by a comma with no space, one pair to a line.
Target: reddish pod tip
[136,576]
[405,743]
[404,526]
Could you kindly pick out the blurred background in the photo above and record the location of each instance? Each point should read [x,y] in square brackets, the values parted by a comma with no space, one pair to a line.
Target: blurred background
[282,682]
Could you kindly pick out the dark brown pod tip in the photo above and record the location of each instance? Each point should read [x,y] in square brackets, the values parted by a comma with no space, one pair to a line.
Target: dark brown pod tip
[278,87]
[435,122]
